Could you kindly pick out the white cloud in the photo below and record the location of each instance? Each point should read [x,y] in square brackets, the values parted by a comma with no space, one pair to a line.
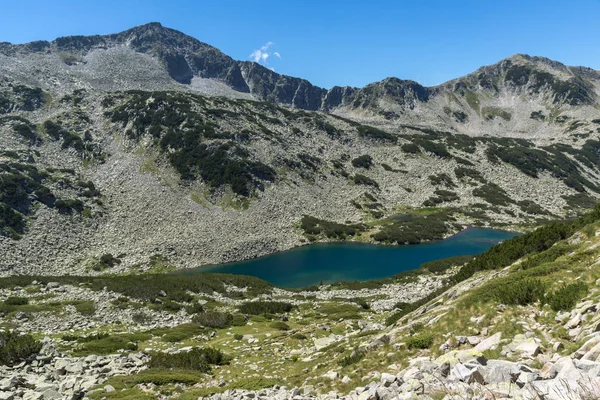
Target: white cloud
[262,55]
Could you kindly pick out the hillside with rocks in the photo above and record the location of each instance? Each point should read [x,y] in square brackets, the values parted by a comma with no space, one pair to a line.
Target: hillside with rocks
[150,144]
[519,321]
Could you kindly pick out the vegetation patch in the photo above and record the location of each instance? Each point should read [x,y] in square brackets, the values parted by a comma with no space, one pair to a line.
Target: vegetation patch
[214,319]
[420,341]
[265,307]
[187,139]
[415,228]
[565,297]
[316,227]
[369,132]
[364,180]
[493,194]
[15,348]
[197,359]
[441,196]
[364,161]
[442,179]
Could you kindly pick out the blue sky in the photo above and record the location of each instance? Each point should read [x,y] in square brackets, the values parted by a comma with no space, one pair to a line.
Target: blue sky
[333,42]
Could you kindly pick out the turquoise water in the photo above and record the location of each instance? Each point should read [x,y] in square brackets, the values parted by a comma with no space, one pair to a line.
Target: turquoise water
[331,262]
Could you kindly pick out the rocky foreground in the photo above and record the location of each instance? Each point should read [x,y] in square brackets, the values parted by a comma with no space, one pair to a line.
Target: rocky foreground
[526,330]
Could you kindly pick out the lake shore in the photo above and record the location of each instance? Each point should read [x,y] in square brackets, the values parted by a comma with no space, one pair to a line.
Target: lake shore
[343,261]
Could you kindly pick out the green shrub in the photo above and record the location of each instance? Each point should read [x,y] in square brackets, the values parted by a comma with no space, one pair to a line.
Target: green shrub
[420,341]
[194,308]
[493,194]
[280,325]
[141,318]
[410,148]
[442,265]
[442,179]
[104,344]
[365,161]
[565,298]
[16,301]
[511,250]
[214,319]
[147,287]
[161,377]
[372,133]
[413,229]
[462,172]
[197,359]
[299,336]
[521,292]
[238,320]
[85,307]
[353,358]
[362,303]
[262,307]
[238,336]
[178,333]
[15,348]
[315,226]
[364,180]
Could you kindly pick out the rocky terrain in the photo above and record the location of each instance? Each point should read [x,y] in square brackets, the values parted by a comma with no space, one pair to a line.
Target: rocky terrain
[519,321]
[150,145]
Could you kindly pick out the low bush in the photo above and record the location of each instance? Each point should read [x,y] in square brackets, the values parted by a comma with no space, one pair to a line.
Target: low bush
[280,325]
[15,348]
[315,226]
[238,336]
[410,148]
[565,298]
[442,265]
[365,161]
[353,358]
[299,336]
[214,319]
[414,229]
[110,344]
[147,287]
[517,292]
[238,320]
[420,341]
[16,301]
[493,194]
[85,307]
[194,308]
[362,303]
[262,307]
[364,180]
[197,359]
[369,132]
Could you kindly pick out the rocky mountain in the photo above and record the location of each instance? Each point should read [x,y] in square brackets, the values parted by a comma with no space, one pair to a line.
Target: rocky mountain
[149,144]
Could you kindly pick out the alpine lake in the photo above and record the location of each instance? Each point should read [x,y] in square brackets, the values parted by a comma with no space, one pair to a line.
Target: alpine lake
[332,262]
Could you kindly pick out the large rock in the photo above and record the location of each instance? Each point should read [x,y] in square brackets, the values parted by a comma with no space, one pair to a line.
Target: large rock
[529,347]
[464,374]
[325,341]
[548,371]
[461,356]
[498,371]
[490,343]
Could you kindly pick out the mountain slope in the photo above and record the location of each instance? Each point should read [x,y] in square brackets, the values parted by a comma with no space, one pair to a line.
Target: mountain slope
[143,164]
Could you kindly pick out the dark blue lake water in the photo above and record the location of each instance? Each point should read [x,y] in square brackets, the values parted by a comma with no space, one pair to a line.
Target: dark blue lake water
[331,262]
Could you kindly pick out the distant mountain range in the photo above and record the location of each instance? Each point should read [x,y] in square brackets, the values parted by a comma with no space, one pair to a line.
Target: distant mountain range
[149,143]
